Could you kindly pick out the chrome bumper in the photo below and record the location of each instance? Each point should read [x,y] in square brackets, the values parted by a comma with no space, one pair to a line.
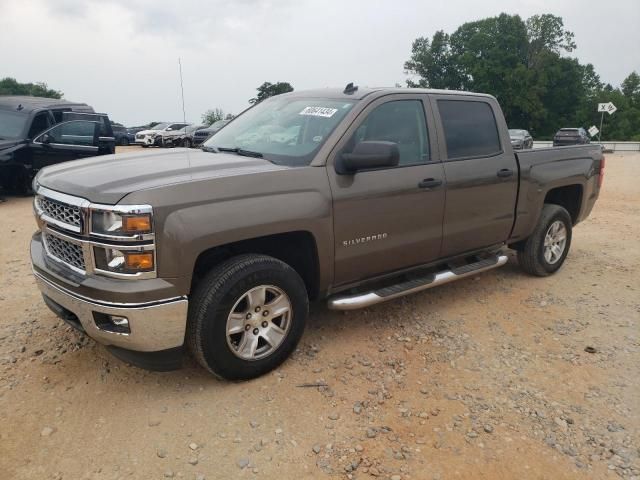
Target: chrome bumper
[154,326]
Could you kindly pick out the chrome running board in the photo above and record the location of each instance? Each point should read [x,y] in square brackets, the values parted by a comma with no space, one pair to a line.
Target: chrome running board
[361,300]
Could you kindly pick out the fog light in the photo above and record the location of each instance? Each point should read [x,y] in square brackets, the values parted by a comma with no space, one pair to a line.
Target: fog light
[119,321]
[112,323]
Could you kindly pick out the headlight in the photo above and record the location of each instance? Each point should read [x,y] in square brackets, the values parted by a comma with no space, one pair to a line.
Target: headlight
[122,261]
[120,223]
[123,243]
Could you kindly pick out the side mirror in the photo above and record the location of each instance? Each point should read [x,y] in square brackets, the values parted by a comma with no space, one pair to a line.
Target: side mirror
[368,155]
[169,129]
[46,139]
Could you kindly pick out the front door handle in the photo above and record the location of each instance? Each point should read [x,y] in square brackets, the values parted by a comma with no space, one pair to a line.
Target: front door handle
[505,172]
[430,183]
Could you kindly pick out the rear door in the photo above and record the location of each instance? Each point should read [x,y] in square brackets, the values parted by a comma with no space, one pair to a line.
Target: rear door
[106,140]
[389,218]
[480,170]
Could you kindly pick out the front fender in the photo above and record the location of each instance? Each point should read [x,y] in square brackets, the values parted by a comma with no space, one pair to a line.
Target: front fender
[195,216]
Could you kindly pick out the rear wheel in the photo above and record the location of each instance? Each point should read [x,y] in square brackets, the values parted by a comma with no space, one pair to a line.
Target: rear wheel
[246,316]
[544,252]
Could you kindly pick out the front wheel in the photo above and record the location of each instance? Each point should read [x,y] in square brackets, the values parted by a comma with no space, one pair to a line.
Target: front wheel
[246,316]
[544,252]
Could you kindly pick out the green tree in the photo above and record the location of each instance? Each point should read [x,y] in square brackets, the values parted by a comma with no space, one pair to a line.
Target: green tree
[432,62]
[631,88]
[268,89]
[10,86]
[211,116]
[546,33]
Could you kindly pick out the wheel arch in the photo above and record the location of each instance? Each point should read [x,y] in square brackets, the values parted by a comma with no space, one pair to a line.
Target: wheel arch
[568,197]
[298,249]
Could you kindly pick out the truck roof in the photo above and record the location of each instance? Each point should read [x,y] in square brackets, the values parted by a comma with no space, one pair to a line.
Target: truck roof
[363,92]
[29,104]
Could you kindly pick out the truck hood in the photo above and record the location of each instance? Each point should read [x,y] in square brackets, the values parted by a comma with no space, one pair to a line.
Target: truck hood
[107,179]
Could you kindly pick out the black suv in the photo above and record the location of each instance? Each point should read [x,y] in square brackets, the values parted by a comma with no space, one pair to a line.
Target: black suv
[36,132]
[571,136]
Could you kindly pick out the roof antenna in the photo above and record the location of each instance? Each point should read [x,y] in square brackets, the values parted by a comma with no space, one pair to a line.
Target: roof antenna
[184,114]
[350,88]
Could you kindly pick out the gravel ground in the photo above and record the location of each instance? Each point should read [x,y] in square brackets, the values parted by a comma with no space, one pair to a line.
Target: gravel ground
[498,376]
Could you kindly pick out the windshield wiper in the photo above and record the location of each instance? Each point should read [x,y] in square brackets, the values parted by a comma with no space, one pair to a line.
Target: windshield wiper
[241,151]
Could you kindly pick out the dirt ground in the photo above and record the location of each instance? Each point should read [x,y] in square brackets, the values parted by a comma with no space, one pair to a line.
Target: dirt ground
[486,378]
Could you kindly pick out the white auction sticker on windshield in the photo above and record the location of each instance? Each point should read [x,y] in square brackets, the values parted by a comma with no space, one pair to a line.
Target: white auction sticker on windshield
[319,111]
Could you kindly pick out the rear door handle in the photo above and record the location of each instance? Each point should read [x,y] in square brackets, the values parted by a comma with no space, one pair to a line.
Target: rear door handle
[505,172]
[429,183]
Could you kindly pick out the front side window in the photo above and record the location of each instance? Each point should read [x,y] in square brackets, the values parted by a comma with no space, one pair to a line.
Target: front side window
[470,128]
[401,122]
[77,132]
[285,130]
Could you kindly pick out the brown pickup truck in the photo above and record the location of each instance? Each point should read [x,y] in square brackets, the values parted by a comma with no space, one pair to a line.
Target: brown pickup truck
[353,196]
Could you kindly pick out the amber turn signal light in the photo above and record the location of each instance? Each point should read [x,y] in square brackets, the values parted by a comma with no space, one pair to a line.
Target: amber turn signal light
[139,261]
[136,223]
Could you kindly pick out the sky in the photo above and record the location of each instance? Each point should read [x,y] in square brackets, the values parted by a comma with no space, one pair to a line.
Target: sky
[121,56]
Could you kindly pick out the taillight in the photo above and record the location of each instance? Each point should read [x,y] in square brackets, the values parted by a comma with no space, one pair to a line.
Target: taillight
[601,173]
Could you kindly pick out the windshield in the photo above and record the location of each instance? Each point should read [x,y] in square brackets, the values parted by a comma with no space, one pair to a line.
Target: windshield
[160,126]
[284,130]
[12,124]
[516,133]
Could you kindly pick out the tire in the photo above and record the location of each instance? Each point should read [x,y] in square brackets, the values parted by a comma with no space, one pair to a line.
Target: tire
[125,142]
[145,145]
[224,300]
[186,143]
[537,259]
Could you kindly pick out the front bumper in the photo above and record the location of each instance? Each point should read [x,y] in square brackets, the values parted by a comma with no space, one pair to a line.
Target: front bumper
[146,140]
[198,140]
[154,326]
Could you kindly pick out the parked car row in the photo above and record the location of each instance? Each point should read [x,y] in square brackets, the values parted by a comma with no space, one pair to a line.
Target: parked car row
[177,134]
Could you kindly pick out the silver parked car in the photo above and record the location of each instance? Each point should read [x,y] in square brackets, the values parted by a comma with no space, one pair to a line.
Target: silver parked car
[520,139]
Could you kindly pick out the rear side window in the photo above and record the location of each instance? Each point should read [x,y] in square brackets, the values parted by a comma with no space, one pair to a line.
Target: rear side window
[470,128]
[76,132]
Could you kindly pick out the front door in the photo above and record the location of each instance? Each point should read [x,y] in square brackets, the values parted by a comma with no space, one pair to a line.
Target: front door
[391,218]
[482,176]
[65,141]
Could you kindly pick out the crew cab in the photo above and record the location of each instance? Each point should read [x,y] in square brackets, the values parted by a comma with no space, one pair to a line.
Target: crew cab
[353,197]
[36,132]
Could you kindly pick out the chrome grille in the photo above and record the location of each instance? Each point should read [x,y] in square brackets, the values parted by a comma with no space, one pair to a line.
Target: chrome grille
[59,211]
[64,251]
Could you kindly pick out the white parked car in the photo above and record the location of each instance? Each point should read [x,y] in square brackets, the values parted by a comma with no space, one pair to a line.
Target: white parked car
[155,136]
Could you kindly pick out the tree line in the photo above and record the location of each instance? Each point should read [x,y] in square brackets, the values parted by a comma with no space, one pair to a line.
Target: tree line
[525,66]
